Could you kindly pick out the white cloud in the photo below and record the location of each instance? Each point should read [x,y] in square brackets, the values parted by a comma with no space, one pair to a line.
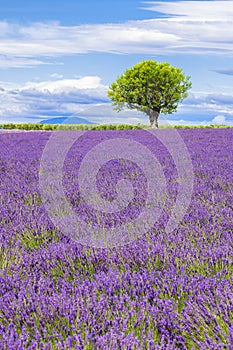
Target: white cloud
[219,119]
[56,76]
[65,85]
[192,27]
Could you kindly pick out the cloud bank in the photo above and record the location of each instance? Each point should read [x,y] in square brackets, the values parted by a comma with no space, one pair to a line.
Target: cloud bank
[50,98]
[87,97]
[196,27]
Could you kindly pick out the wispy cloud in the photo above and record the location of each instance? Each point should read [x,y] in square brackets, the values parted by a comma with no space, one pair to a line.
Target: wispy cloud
[223,71]
[189,27]
[9,61]
[193,10]
[56,76]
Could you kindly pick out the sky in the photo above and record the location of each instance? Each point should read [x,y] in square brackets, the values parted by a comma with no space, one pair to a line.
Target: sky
[58,58]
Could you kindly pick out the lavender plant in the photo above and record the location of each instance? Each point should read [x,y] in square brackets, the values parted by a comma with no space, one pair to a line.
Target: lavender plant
[163,290]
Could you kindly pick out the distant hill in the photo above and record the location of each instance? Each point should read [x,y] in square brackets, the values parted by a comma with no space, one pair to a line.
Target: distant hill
[66,120]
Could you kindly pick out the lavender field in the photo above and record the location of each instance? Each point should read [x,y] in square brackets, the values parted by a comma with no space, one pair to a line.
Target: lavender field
[162,290]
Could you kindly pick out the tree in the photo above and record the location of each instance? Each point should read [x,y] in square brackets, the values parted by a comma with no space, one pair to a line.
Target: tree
[150,87]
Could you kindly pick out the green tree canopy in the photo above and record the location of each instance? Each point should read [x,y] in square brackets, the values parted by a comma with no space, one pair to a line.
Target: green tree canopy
[150,87]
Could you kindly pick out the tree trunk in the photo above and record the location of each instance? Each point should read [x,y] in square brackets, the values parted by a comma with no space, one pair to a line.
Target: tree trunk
[153,116]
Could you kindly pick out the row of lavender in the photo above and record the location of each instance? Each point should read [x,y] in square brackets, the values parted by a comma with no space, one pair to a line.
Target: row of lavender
[161,291]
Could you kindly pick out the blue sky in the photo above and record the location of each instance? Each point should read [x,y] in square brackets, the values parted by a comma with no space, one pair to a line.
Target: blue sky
[57,58]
